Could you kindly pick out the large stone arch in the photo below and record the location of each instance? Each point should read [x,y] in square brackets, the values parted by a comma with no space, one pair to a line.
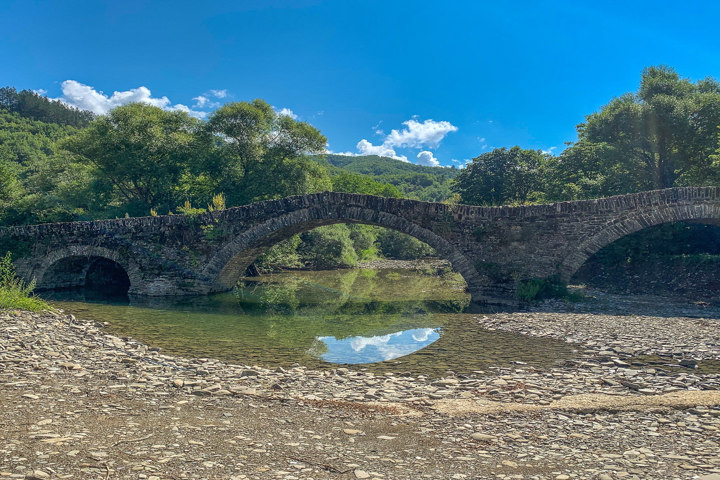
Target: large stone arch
[650,217]
[45,264]
[230,262]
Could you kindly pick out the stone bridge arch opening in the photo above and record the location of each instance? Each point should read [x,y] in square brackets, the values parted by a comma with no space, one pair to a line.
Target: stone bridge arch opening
[230,263]
[666,251]
[93,271]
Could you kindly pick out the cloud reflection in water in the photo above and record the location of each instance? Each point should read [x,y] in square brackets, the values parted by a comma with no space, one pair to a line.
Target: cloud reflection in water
[378,348]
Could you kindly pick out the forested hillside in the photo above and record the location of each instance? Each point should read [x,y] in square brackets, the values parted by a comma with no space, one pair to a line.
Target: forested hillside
[418,182]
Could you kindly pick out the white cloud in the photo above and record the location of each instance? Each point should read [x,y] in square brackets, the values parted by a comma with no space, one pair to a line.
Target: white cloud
[86,97]
[417,135]
[286,112]
[219,93]
[549,151]
[422,334]
[428,159]
[186,109]
[201,101]
[367,148]
[463,163]
[41,91]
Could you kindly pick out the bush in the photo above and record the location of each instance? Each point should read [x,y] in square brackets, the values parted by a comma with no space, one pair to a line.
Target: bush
[14,293]
[363,238]
[400,246]
[543,288]
[328,247]
[280,256]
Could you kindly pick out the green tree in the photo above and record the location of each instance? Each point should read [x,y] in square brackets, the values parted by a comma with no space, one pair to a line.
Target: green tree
[259,154]
[659,137]
[328,247]
[139,154]
[401,246]
[502,176]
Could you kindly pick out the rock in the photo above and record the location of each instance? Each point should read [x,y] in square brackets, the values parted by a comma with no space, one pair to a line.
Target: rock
[482,437]
[361,474]
[38,475]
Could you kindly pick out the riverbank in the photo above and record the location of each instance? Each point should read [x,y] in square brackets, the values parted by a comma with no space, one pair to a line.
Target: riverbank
[80,403]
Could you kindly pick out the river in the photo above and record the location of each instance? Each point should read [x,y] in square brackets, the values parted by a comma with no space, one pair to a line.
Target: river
[401,320]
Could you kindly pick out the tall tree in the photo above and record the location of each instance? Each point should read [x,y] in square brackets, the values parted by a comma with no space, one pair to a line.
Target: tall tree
[502,177]
[659,137]
[140,154]
[260,153]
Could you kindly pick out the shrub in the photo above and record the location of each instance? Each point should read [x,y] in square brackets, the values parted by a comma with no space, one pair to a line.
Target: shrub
[543,288]
[14,293]
[328,247]
[400,246]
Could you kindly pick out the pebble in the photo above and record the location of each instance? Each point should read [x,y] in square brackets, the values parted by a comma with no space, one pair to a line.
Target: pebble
[58,369]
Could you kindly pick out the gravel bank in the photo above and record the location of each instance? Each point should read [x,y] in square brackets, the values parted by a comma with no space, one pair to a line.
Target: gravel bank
[78,403]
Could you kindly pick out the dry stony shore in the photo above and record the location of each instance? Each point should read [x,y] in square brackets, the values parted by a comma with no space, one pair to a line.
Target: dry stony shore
[76,402]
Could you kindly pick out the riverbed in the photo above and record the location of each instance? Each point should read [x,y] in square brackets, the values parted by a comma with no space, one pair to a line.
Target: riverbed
[80,402]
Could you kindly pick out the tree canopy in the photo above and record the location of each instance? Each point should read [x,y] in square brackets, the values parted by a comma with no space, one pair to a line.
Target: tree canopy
[659,137]
[139,154]
[502,177]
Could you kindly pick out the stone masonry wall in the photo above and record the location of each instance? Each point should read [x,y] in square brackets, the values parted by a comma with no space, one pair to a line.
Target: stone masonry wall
[492,247]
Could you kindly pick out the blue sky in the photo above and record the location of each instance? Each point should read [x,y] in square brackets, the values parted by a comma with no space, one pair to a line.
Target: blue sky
[453,79]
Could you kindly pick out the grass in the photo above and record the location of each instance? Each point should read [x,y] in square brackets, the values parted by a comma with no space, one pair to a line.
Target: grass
[14,293]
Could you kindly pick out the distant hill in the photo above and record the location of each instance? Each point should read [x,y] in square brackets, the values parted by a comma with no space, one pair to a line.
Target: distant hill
[29,104]
[375,165]
[431,184]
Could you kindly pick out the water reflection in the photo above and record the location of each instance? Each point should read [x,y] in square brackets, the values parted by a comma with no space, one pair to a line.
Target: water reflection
[402,319]
[378,348]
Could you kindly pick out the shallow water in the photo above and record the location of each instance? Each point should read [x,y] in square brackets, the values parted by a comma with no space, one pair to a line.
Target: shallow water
[408,320]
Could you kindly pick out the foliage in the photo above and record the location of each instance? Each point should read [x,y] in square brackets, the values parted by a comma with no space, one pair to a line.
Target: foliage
[670,239]
[397,245]
[660,137]
[281,256]
[431,184]
[544,288]
[34,181]
[139,153]
[328,247]
[502,177]
[188,209]
[354,183]
[14,293]
[218,203]
[364,238]
[260,155]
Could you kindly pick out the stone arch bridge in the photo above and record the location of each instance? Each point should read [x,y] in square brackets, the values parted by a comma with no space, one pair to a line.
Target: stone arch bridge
[493,248]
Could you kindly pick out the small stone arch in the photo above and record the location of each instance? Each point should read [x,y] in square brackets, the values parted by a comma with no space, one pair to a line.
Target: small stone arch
[230,262]
[43,271]
[702,213]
